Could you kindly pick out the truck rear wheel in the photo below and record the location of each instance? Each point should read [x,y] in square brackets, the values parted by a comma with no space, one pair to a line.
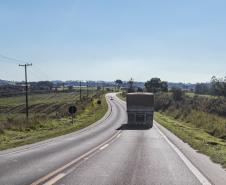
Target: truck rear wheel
[149,126]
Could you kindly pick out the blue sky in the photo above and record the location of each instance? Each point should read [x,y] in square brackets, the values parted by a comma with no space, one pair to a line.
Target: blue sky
[108,39]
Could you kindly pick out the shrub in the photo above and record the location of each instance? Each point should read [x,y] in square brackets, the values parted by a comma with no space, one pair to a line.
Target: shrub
[1,131]
[178,94]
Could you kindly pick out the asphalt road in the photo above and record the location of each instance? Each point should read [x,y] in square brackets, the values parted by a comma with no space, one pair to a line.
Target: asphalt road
[109,153]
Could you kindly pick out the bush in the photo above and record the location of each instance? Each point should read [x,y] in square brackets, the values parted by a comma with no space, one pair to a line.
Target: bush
[139,89]
[178,94]
[162,101]
[1,131]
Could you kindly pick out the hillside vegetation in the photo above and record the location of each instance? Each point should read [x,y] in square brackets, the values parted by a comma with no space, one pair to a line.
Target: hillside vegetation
[199,111]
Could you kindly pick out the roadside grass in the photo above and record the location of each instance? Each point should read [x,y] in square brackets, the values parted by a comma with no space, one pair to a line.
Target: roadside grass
[121,96]
[198,138]
[212,124]
[205,113]
[41,129]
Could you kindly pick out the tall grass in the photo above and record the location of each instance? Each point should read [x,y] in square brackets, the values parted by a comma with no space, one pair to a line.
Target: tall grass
[201,112]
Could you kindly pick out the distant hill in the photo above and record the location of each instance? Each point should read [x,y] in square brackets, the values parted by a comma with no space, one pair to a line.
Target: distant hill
[5,82]
[186,86]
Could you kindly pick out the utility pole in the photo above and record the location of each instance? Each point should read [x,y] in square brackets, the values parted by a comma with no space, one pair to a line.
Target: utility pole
[97,91]
[87,91]
[102,86]
[92,90]
[26,86]
[80,90]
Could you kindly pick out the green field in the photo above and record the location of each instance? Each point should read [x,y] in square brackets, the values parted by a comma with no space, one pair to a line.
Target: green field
[50,105]
[201,95]
[48,116]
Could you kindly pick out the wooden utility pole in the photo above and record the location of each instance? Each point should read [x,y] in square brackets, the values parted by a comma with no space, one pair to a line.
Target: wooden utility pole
[87,90]
[26,86]
[80,90]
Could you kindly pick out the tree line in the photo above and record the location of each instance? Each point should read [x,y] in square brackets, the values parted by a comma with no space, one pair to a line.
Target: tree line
[216,87]
[153,85]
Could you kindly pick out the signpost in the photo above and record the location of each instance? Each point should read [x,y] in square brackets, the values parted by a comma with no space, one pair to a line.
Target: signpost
[72,110]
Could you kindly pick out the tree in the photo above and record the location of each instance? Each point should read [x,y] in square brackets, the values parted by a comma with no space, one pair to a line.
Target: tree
[139,89]
[70,87]
[164,86]
[218,86]
[43,85]
[119,83]
[178,94]
[156,85]
[202,88]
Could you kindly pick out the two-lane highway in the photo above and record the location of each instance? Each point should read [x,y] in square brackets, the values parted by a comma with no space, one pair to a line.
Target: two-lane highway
[136,157]
[103,154]
[26,164]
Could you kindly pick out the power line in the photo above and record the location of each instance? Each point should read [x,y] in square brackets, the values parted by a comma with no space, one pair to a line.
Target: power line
[87,90]
[39,70]
[37,75]
[11,58]
[7,61]
[80,90]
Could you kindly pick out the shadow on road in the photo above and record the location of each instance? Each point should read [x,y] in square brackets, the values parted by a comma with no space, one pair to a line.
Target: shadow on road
[132,127]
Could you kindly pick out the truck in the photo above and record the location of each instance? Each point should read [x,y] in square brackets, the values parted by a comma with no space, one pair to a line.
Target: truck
[140,109]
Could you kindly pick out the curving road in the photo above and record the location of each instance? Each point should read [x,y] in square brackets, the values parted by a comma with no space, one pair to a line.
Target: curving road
[109,153]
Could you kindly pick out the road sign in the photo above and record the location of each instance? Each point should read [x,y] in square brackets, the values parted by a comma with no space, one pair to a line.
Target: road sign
[72,110]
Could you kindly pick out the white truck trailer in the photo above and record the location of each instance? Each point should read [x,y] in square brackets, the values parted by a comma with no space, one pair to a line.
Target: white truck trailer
[140,109]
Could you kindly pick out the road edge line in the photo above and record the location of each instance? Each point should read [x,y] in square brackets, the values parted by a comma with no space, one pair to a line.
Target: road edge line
[202,179]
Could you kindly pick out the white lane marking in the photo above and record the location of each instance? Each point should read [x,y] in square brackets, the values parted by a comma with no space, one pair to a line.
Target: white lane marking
[51,174]
[203,180]
[118,135]
[105,146]
[55,179]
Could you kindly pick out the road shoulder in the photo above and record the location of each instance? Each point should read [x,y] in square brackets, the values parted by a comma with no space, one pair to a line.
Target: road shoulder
[213,171]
